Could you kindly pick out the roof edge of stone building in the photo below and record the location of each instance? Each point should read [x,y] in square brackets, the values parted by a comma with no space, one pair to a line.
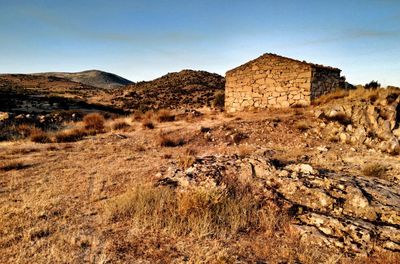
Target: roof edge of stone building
[286,58]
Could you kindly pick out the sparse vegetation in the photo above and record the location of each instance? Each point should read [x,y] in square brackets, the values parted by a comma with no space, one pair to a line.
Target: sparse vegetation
[39,136]
[324,99]
[165,115]
[147,123]
[374,170]
[94,121]
[170,141]
[219,100]
[120,125]
[70,135]
[200,211]
[372,85]
[187,159]
[137,116]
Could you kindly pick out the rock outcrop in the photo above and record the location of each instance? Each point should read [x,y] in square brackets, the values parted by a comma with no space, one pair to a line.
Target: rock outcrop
[373,122]
[354,215]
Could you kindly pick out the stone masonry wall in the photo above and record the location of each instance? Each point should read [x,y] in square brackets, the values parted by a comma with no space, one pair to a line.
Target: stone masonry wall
[324,81]
[269,81]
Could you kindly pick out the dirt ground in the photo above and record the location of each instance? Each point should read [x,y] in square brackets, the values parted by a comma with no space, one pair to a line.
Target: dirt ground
[52,204]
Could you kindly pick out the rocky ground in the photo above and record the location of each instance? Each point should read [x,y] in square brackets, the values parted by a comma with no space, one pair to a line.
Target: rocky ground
[309,195]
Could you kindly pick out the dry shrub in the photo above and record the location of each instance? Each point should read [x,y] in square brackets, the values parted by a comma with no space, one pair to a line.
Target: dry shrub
[374,170]
[170,141]
[165,115]
[187,159]
[326,98]
[147,123]
[39,136]
[70,135]
[26,130]
[205,210]
[120,125]
[94,121]
[137,116]
[219,100]
[370,94]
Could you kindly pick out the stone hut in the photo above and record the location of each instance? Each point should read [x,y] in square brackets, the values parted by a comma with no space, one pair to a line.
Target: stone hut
[276,81]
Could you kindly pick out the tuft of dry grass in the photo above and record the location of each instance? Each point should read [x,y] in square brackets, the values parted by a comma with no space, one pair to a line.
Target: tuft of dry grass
[137,116]
[147,123]
[201,211]
[94,121]
[170,141]
[165,115]
[39,136]
[70,135]
[339,93]
[187,159]
[26,130]
[374,170]
[120,125]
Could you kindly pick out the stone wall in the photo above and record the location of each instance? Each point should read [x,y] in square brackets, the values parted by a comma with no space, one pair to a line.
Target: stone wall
[275,81]
[325,80]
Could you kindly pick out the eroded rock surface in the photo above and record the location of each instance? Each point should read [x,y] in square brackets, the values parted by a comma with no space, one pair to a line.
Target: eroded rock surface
[374,123]
[353,214]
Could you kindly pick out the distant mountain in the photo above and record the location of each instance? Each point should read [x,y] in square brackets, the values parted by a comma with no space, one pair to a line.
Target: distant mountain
[94,78]
[184,89]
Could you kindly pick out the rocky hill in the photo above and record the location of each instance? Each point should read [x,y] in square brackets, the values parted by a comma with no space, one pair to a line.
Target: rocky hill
[25,93]
[184,89]
[93,78]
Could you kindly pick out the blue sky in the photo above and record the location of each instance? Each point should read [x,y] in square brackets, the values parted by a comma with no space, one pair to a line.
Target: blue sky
[142,40]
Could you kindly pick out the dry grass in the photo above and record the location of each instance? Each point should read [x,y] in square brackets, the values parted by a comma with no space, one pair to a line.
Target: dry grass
[374,170]
[120,125]
[165,115]
[187,158]
[147,123]
[199,211]
[171,141]
[39,136]
[324,99]
[70,135]
[26,130]
[94,121]
[137,116]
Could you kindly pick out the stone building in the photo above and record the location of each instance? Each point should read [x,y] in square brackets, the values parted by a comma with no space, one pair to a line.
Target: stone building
[276,81]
